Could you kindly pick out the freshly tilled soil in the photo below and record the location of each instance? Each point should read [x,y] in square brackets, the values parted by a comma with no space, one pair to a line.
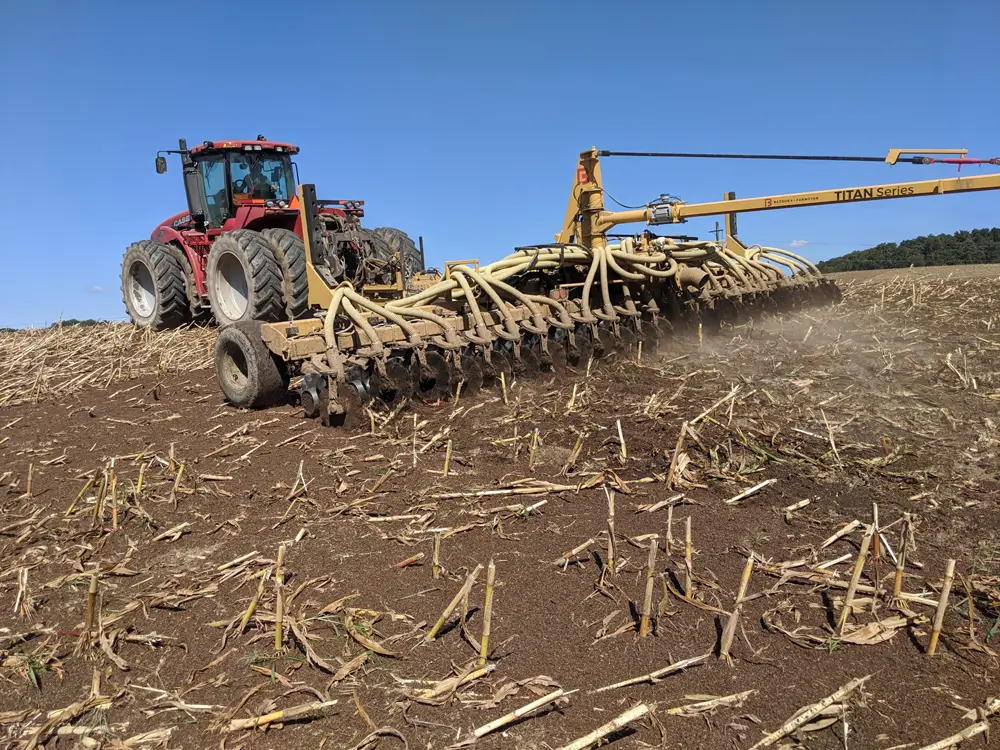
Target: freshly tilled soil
[888,398]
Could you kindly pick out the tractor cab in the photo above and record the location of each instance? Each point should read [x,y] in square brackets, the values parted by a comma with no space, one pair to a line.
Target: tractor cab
[229,183]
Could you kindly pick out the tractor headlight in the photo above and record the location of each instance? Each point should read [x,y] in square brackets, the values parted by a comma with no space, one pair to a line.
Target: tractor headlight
[283,203]
[248,147]
[269,204]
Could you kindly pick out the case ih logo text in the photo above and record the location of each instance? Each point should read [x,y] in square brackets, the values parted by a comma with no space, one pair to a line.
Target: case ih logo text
[863,194]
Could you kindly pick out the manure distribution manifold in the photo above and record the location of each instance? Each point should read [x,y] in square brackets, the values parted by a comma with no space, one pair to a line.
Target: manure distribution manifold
[544,307]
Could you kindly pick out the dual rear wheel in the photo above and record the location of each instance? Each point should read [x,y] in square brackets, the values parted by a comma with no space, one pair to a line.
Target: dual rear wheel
[249,275]
[155,285]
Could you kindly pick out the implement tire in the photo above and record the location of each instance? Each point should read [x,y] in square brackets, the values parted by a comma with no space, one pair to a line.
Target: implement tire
[290,252]
[154,286]
[250,376]
[244,279]
[402,246]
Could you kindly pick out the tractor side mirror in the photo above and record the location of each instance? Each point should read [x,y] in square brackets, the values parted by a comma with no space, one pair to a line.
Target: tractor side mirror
[161,164]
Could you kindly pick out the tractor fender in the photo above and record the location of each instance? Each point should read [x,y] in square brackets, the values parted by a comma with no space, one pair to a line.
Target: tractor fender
[170,236]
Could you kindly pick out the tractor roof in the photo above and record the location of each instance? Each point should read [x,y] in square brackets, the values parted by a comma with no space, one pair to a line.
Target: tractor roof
[257,145]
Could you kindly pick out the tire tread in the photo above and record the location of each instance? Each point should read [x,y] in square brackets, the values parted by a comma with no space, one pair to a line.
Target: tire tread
[172,307]
[264,282]
[267,377]
[290,252]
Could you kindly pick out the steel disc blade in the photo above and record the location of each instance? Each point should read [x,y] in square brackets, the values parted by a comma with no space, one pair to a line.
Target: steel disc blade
[664,329]
[651,335]
[436,384]
[499,363]
[396,385]
[557,356]
[608,342]
[472,374]
[529,365]
[354,415]
[833,292]
[629,339]
[582,354]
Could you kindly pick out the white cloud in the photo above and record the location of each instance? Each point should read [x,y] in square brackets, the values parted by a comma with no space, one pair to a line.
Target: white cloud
[798,243]
[97,289]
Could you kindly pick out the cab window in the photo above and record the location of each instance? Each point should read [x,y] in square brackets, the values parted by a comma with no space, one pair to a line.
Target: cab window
[260,175]
[213,175]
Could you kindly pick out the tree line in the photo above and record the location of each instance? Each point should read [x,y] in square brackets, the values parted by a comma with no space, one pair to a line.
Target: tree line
[960,248]
[63,324]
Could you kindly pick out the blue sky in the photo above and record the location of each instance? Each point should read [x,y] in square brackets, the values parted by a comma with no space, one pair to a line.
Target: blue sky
[461,121]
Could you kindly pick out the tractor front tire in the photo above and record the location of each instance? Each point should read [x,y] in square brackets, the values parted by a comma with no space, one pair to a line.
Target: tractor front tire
[244,279]
[154,286]
[402,246]
[250,375]
[290,252]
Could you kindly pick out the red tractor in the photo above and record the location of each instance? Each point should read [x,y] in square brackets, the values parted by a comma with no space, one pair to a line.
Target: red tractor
[237,252]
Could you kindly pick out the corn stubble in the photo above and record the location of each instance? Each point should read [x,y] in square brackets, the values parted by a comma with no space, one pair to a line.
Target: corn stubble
[101,543]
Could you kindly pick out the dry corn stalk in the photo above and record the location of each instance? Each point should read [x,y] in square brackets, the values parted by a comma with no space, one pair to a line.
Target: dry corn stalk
[518,713]
[948,743]
[567,557]
[491,574]
[314,709]
[610,566]
[622,449]
[730,631]
[659,674]
[949,576]
[750,491]
[252,607]
[805,716]
[647,602]
[462,592]
[279,599]
[24,603]
[677,451]
[688,565]
[633,714]
[470,674]
[88,623]
[63,716]
[840,533]
[859,565]
[412,560]
[711,704]
[904,534]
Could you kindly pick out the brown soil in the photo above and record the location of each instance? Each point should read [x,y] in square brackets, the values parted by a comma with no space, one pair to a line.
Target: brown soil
[888,398]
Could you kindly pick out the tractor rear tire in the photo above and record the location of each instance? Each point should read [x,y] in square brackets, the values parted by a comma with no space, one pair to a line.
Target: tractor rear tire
[402,246]
[290,252]
[154,286]
[244,279]
[250,375]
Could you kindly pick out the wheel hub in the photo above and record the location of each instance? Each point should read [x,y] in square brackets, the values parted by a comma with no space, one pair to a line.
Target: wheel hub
[231,287]
[234,367]
[141,289]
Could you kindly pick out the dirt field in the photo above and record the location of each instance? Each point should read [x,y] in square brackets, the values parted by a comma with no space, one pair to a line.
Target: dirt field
[121,469]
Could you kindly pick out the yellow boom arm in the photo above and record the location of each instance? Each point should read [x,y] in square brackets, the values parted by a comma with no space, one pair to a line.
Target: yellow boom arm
[588,222]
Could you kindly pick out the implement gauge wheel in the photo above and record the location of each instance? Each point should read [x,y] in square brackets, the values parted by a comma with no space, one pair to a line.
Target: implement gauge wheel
[251,377]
